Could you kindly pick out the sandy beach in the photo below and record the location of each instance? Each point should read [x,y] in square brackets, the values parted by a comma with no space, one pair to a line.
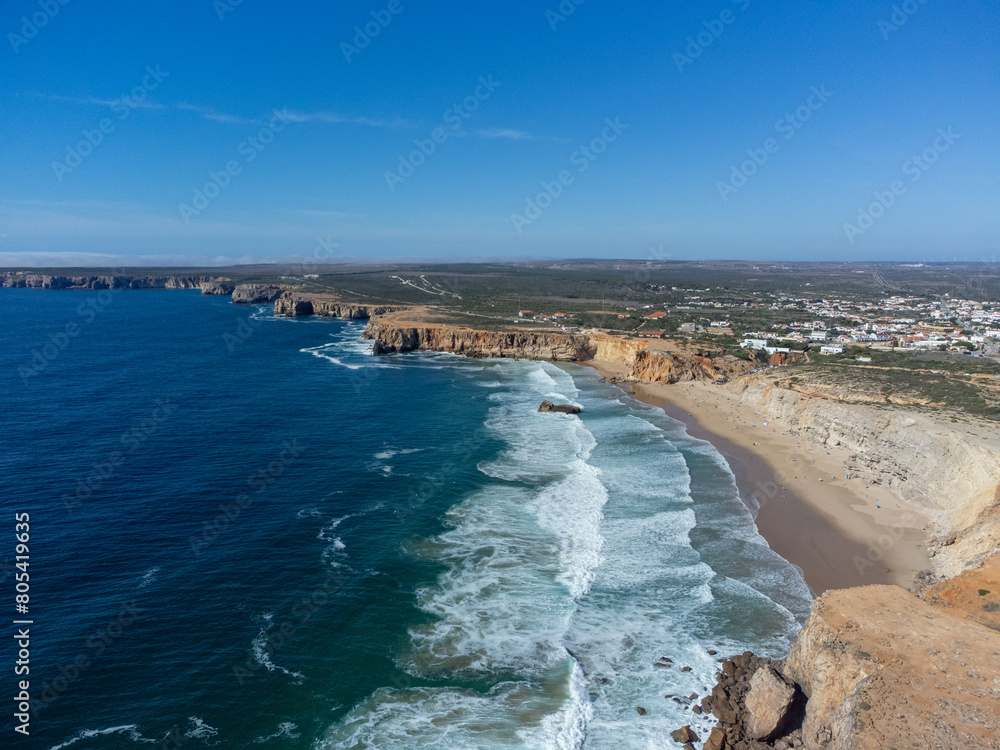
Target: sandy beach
[841,532]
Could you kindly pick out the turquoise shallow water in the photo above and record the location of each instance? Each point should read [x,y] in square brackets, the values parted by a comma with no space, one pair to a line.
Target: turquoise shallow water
[258,535]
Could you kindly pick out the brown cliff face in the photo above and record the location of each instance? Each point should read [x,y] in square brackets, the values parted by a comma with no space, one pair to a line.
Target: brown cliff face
[783,358]
[392,337]
[881,668]
[396,329]
[651,364]
[878,668]
[669,368]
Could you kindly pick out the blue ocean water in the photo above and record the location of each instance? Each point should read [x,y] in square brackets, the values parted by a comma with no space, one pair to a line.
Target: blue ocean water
[248,532]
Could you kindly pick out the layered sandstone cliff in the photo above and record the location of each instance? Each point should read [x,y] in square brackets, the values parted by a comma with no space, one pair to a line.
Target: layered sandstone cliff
[950,469]
[393,336]
[646,362]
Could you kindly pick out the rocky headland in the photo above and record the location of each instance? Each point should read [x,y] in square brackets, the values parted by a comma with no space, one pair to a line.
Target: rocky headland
[20,280]
[654,362]
[293,305]
[256,294]
[874,667]
[217,288]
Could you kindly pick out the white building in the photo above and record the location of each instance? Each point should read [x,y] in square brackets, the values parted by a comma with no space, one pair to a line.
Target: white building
[832,349]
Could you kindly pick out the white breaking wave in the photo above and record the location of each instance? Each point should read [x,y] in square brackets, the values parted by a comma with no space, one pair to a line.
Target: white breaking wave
[333,554]
[451,719]
[589,555]
[570,726]
[349,350]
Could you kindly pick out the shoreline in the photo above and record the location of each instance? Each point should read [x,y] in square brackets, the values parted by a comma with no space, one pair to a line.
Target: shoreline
[825,527]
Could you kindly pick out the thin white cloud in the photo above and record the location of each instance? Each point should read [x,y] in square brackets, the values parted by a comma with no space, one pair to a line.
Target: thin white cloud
[334,118]
[209,113]
[94,100]
[509,133]
[212,114]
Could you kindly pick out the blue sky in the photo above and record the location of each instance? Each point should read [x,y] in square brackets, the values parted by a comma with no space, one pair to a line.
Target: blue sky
[304,139]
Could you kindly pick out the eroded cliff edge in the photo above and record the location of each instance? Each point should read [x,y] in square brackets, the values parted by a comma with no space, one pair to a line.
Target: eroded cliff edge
[20,280]
[293,305]
[646,361]
[875,667]
[948,468]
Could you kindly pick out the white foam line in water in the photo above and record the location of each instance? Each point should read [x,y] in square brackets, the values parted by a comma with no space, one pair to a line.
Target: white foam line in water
[392,452]
[348,348]
[200,730]
[319,351]
[130,730]
[286,731]
[149,577]
[569,727]
[262,654]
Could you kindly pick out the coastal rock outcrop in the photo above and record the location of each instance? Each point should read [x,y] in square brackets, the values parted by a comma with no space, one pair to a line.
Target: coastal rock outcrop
[646,363]
[292,305]
[392,336]
[563,408]
[877,668]
[217,288]
[667,367]
[881,668]
[255,294]
[23,280]
[768,703]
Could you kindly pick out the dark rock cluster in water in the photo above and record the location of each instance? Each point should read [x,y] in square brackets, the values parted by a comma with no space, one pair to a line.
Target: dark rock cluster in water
[564,408]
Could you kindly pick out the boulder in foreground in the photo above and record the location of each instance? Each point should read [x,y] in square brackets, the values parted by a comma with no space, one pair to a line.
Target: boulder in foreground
[879,668]
[769,703]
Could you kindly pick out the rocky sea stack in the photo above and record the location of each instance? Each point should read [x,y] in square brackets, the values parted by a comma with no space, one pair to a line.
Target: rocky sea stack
[564,408]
